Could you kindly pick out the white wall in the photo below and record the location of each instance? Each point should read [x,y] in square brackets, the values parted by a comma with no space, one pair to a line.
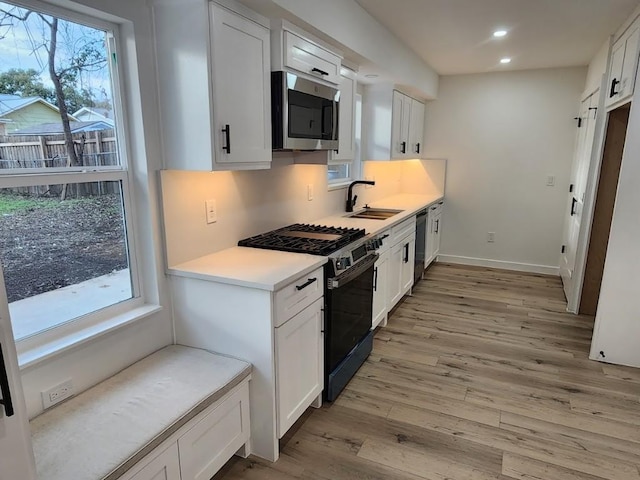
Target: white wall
[96,360]
[503,134]
[597,68]
[254,202]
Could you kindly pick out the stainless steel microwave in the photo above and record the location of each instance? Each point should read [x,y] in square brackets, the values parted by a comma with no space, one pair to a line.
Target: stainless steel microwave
[304,113]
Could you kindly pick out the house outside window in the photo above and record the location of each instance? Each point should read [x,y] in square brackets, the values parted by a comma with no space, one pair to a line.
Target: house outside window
[67,244]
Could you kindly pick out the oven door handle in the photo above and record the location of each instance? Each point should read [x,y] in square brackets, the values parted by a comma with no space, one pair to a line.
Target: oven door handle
[353,273]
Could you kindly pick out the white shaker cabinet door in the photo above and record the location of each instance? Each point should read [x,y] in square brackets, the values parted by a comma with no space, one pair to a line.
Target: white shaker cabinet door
[241,74]
[408,263]
[165,466]
[380,274]
[299,364]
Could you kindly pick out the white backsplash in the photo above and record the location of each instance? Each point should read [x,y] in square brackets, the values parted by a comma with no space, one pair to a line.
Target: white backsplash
[253,202]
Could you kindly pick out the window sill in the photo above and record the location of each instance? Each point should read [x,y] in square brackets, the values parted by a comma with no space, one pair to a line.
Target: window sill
[38,354]
[339,185]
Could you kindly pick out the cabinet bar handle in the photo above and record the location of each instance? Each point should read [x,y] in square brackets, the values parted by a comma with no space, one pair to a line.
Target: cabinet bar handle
[574,202]
[403,147]
[227,134]
[321,72]
[305,284]
[4,387]
[406,253]
[437,225]
[614,83]
[418,147]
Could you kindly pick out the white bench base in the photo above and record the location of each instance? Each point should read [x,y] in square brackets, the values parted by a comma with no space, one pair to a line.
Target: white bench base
[179,396]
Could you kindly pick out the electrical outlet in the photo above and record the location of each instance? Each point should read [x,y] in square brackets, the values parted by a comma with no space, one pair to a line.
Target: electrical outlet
[212,213]
[58,393]
[491,237]
[310,191]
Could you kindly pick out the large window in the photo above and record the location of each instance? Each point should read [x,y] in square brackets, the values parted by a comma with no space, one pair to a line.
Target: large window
[65,231]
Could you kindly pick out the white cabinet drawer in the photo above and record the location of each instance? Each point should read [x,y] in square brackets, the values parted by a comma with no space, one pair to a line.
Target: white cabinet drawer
[207,446]
[298,295]
[307,57]
[400,231]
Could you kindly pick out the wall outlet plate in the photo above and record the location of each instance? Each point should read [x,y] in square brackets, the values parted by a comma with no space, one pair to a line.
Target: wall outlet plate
[212,210]
[57,393]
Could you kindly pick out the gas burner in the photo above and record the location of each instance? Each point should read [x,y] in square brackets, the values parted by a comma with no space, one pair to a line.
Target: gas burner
[305,238]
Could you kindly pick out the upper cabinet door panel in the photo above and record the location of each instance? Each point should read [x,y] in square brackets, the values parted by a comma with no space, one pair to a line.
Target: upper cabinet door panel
[346,122]
[241,88]
[309,58]
[416,135]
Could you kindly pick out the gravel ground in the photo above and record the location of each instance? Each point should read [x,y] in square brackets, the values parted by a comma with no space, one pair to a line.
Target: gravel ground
[54,244]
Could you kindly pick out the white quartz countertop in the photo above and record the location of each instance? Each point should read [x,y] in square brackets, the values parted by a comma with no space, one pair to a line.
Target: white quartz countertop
[271,269]
[410,204]
[250,267]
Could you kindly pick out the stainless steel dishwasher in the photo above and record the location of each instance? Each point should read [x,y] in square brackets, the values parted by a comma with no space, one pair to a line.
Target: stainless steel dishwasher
[421,245]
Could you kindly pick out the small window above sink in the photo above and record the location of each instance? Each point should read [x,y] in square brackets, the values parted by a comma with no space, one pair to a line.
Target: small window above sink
[375,213]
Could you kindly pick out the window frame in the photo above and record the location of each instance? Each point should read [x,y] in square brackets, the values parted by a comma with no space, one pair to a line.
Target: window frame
[102,320]
[355,164]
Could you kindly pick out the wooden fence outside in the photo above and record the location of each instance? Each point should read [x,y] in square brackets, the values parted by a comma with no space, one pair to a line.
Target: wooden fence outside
[48,151]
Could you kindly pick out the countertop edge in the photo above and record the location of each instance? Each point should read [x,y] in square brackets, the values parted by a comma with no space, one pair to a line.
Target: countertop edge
[271,287]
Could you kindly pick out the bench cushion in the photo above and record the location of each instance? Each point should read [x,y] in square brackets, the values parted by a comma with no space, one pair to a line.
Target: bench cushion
[104,431]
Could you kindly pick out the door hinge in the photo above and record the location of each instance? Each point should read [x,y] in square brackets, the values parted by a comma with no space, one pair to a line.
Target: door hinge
[564,247]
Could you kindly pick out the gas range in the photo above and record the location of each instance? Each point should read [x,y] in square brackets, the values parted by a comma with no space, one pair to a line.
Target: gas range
[351,278]
[344,246]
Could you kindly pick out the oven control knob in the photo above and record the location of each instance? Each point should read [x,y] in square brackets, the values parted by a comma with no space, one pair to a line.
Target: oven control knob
[342,263]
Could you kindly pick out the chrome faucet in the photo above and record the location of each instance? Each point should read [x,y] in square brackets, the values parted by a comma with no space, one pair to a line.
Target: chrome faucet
[351,200]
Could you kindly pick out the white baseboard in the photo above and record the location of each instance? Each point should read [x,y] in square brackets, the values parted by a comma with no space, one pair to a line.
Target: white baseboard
[486,262]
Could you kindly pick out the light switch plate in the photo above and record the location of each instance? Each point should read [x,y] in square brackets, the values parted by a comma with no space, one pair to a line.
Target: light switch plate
[212,211]
[551,181]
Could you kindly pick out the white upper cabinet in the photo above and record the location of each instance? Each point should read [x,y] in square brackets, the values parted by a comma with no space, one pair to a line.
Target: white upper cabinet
[294,49]
[622,71]
[214,82]
[416,125]
[347,118]
[393,124]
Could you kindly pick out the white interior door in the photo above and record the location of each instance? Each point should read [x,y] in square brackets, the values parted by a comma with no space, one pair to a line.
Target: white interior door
[577,193]
[16,454]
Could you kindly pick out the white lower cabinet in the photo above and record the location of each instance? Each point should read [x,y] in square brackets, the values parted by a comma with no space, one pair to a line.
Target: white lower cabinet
[400,279]
[299,364]
[201,447]
[434,229]
[165,466]
[380,275]
[279,332]
[207,446]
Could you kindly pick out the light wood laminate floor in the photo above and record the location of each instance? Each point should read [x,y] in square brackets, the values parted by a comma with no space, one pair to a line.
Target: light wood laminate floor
[479,375]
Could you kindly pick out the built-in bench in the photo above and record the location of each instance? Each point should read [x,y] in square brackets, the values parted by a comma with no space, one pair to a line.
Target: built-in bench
[185,406]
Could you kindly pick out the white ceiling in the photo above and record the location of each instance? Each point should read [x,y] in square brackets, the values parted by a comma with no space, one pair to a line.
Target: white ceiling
[456,36]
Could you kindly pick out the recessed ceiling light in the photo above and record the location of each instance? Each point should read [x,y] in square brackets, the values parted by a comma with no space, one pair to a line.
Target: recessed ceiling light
[500,33]
[505,60]
[371,75]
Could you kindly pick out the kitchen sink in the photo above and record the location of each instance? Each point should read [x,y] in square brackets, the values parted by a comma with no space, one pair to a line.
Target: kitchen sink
[375,213]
